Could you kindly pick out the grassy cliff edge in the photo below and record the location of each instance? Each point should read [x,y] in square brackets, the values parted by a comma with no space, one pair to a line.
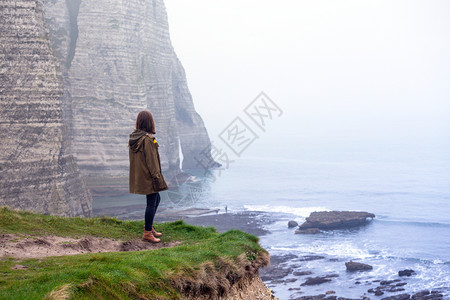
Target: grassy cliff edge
[206,264]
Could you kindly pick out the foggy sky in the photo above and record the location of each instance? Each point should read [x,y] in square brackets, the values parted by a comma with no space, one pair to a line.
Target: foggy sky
[349,69]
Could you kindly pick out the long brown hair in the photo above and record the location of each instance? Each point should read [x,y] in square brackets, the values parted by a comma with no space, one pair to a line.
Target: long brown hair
[145,122]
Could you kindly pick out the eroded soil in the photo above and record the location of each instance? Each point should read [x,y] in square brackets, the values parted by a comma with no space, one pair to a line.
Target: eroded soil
[19,246]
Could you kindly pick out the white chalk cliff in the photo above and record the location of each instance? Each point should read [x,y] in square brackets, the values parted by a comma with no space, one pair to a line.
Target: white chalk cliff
[119,60]
[37,169]
[74,74]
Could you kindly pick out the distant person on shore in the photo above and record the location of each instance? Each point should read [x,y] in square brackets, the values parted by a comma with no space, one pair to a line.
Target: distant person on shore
[145,170]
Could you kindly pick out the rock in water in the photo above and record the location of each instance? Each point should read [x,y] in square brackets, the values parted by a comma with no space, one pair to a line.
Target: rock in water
[118,59]
[316,280]
[308,231]
[427,295]
[355,266]
[310,257]
[302,273]
[406,272]
[398,297]
[38,171]
[292,224]
[329,220]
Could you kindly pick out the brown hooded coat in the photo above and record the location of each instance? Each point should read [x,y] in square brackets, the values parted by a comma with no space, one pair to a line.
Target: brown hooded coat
[145,165]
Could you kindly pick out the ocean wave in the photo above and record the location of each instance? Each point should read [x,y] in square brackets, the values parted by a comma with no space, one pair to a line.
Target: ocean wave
[298,211]
[348,250]
[340,250]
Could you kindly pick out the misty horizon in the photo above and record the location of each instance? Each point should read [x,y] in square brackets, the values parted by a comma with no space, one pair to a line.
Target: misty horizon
[341,71]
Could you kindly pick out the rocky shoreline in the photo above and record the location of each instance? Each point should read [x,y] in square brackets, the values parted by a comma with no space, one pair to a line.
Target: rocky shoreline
[288,269]
[293,273]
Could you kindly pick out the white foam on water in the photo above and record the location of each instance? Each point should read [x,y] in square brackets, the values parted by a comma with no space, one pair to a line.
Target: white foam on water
[298,211]
[438,262]
[338,250]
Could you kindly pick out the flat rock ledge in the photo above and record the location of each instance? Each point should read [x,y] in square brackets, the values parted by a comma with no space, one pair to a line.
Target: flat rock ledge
[330,220]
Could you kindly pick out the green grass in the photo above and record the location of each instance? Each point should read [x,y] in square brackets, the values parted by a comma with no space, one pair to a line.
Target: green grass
[20,222]
[152,274]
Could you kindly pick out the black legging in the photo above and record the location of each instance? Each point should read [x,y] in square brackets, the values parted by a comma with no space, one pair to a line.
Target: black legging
[150,211]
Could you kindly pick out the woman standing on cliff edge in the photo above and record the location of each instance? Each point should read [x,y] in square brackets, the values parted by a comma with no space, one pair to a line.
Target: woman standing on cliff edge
[145,170]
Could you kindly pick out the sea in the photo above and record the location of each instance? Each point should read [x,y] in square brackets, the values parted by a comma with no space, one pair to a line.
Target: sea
[406,185]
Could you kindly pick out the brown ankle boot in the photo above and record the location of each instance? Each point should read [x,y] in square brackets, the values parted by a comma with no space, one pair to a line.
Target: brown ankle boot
[148,237]
[155,233]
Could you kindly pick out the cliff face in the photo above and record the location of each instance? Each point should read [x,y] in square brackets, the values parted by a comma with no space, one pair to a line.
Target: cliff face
[74,74]
[118,61]
[37,169]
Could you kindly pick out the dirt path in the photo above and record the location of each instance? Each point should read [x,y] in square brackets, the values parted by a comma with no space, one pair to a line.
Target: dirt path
[42,246]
